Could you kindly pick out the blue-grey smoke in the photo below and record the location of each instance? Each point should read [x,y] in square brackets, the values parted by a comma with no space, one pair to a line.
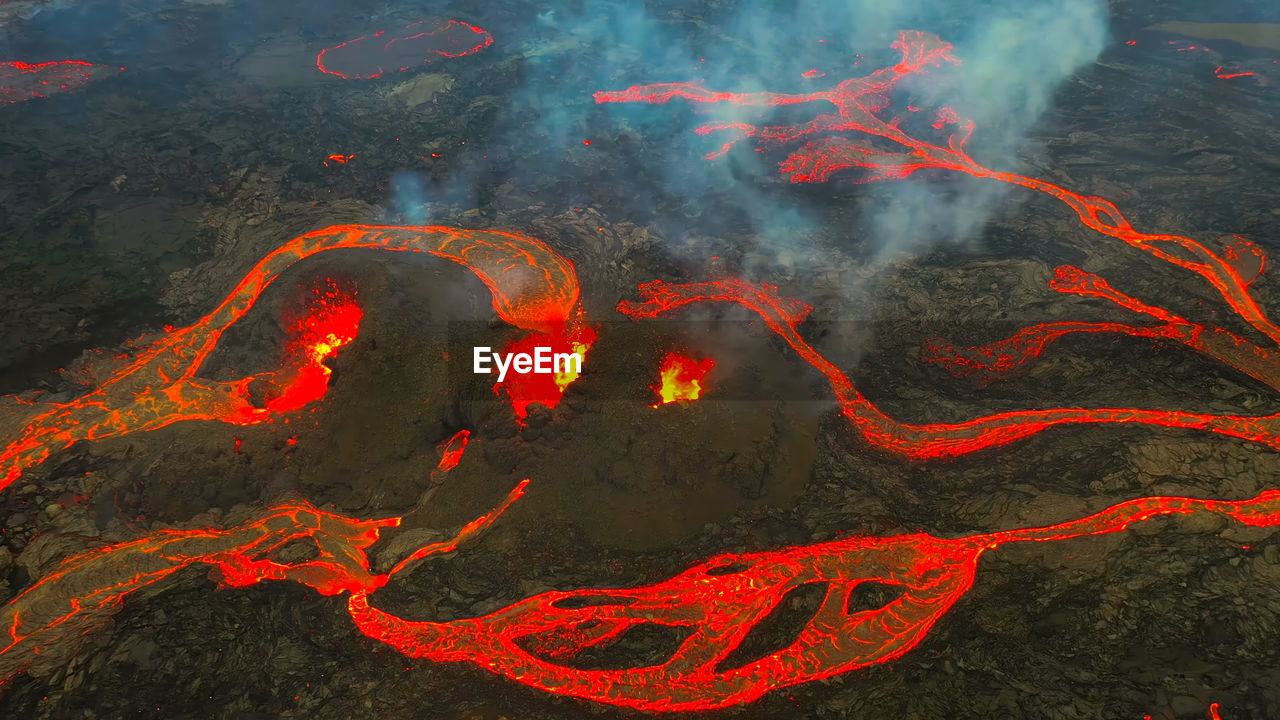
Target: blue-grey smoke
[1014,56]
[409,203]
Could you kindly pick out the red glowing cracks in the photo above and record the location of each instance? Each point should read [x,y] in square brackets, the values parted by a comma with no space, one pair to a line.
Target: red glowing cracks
[417,44]
[20,81]
[533,288]
[681,378]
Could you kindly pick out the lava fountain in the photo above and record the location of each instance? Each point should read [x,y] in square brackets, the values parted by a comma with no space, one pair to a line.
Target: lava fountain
[681,378]
[332,322]
[546,390]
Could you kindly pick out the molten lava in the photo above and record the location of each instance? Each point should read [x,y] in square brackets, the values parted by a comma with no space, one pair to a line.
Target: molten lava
[533,288]
[451,451]
[419,43]
[681,378]
[333,322]
[716,603]
[20,81]
[545,389]
[534,640]
[720,600]
[47,623]
[858,105]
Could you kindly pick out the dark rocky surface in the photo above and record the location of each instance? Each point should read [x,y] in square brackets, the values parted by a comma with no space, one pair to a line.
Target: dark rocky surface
[140,201]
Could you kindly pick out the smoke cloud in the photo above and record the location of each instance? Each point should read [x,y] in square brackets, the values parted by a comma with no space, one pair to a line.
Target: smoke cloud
[1014,55]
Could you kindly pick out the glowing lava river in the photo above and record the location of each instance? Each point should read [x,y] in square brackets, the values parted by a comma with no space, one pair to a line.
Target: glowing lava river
[535,641]
[700,615]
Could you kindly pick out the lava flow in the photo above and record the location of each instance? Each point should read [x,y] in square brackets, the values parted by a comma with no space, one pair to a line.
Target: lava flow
[419,43]
[857,102]
[536,640]
[719,601]
[20,81]
[681,378]
[47,623]
[533,288]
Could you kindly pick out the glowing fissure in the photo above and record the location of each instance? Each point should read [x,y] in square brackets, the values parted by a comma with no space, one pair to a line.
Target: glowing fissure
[719,600]
[857,103]
[533,288]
